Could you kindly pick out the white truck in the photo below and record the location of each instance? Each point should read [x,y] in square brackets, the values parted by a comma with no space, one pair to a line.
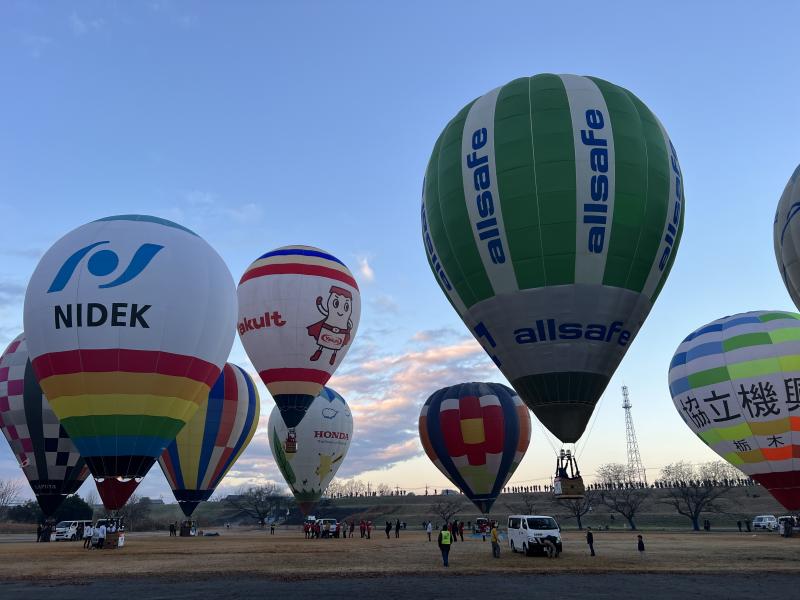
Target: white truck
[533,534]
[69,530]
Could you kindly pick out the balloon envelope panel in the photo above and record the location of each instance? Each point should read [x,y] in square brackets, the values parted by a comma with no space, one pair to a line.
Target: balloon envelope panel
[476,434]
[736,384]
[299,309]
[552,211]
[211,442]
[45,453]
[786,236]
[129,321]
[323,439]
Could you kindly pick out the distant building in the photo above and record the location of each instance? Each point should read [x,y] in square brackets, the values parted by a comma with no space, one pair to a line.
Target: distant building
[449,493]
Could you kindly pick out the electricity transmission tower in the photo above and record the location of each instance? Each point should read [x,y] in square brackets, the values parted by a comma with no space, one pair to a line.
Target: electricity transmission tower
[636,473]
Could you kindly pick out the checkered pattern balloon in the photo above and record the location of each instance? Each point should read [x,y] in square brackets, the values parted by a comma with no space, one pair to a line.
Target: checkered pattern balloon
[45,453]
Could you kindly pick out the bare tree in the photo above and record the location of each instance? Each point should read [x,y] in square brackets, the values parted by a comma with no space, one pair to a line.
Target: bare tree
[618,495]
[696,492]
[446,508]
[9,493]
[529,502]
[257,502]
[578,508]
[136,511]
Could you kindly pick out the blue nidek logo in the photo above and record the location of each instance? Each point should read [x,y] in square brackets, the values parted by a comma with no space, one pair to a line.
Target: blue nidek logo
[103,263]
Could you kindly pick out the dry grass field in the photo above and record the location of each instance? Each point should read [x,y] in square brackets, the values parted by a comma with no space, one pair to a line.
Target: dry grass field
[288,556]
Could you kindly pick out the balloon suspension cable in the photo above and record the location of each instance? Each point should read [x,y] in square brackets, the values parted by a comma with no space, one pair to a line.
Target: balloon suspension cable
[547,436]
[576,451]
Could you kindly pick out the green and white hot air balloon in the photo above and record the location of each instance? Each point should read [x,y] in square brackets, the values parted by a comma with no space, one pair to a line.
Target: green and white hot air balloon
[552,210]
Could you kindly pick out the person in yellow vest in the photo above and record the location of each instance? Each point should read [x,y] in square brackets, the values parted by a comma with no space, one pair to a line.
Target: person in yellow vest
[445,539]
[495,541]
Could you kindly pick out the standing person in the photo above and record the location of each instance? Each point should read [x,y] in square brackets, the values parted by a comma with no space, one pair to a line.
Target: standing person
[445,539]
[369,530]
[739,525]
[454,531]
[363,527]
[429,530]
[87,536]
[272,528]
[495,541]
[39,532]
[101,536]
[388,528]
[397,528]
[461,530]
[640,545]
[590,540]
[352,527]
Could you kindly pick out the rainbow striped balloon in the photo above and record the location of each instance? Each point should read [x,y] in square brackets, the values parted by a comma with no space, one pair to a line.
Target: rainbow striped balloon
[736,384]
[129,320]
[299,309]
[209,445]
[476,434]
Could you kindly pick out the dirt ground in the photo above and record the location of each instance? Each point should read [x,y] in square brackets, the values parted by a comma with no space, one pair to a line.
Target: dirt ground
[288,556]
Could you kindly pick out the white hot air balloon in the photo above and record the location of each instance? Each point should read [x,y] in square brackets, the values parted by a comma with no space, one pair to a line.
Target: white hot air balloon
[786,235]
[324,437]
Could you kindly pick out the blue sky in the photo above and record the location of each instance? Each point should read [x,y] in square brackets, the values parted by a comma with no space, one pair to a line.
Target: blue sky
[264,124]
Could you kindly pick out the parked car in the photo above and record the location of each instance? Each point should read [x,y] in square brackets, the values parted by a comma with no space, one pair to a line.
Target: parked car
[333,528]
[768,522]
[481,525]
[787,519]
[68,530]
[527,533]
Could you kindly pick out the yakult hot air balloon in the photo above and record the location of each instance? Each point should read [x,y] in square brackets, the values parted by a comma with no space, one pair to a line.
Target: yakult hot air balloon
[211,442]
[476,434]
[299,309]
[786,236]
[323,441]
[129,320]
[552,210]
[48,457]
[736,384]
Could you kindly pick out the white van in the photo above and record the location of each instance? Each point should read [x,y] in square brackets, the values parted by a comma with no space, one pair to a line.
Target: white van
[68,530]
[527,533]
[768,522]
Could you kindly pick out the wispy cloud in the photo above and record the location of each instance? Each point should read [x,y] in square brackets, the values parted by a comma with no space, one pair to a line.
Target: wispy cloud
[365,269]
[384,303]
[386,393]
[11,292]
[201,208]
[81,26]
[35,44]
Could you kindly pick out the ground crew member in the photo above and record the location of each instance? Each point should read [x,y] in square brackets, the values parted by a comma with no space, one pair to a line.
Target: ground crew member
[495,541]
[590,540]
[445,539]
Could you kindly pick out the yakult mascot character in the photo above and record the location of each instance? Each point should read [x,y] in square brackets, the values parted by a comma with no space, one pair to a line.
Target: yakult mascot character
[333,332]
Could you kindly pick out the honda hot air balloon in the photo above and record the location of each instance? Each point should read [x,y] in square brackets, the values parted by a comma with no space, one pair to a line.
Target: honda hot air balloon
[476,434]
[324,438]
[298,313]
[552,209]
[736,384]
[208,446]
[786,235]
[129,320]
[48,457]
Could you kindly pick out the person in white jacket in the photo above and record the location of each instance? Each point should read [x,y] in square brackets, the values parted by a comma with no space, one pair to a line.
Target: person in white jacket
[429,530]
[87,536]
